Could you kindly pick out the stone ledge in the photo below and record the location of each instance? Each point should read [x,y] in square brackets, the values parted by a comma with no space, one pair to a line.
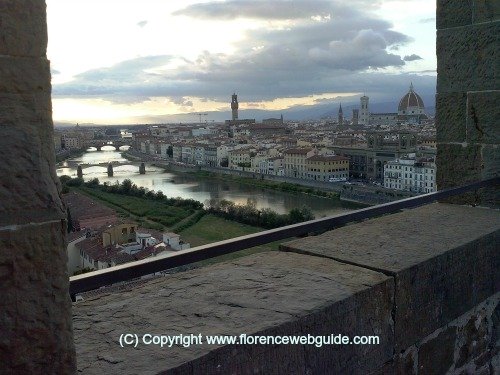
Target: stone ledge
[444,258]
[266,294]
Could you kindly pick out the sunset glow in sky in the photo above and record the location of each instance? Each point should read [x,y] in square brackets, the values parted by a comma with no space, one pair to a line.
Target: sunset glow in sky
[133,61]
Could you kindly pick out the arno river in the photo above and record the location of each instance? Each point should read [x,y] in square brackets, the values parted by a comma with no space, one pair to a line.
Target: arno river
[200,189]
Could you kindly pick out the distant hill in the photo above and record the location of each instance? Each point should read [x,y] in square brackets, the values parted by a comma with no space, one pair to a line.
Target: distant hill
[298,113]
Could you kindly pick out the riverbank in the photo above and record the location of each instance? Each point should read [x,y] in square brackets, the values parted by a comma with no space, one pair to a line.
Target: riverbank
[359,195]
[176,214]
[127,155]
[276,183]
[67,154]
[268,184]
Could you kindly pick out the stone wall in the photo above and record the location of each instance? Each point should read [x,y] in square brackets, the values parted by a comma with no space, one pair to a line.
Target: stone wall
[424,281]
[35,311]
[468,93]
[466,345]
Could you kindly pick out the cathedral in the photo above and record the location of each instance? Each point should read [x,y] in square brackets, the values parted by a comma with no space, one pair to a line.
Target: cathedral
[411,110]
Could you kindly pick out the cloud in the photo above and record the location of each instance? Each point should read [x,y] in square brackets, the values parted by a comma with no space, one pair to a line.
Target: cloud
[129,81]
[427,20]
[412,58]
[366,50]
[257,9]
[347,52]
[54,71]
[142,23]
[183,102]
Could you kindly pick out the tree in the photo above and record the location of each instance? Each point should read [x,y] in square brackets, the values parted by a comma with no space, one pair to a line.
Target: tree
[298,215]
[126,186]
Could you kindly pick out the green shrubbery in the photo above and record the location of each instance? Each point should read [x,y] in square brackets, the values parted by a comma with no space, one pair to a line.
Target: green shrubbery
[249,214]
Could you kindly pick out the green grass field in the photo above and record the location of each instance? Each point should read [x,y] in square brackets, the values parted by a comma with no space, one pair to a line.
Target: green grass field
[141,208]
[212,229]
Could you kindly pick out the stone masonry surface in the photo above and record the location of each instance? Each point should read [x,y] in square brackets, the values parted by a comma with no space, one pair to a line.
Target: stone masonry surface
[468,93]
[379,283]
[467,345]
[269,293]
[444,258]
[35,311]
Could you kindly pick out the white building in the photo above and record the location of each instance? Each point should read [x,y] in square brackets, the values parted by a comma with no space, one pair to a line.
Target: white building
[215,154]
[411,174]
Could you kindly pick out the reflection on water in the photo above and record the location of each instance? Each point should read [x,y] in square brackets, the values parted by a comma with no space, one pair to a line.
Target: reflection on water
[200,189]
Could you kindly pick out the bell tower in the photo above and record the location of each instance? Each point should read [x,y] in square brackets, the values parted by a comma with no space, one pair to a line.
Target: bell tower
[234,106]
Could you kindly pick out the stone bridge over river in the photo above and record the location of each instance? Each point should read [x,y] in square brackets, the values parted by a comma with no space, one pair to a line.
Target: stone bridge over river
[109,166]
[99,143]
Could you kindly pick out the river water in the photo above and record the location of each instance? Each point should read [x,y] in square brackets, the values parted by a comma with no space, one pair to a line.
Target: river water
[200,189]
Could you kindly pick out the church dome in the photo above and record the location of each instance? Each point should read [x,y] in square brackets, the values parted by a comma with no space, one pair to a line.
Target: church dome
[411,103]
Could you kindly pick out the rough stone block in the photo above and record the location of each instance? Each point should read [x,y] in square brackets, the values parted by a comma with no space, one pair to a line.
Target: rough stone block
[24,28]
[24,75]
[29,189]
[452,13]
[450,117]
[483,117]
[457,165]
[467,58]
[436,355]
[491,164]
[486,11]
[405,363]
[35,321]
[442,265]
[266,294]
[475,340]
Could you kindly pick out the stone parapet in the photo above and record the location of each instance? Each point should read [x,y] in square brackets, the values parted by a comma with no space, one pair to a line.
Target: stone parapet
[442,266]
[407,278]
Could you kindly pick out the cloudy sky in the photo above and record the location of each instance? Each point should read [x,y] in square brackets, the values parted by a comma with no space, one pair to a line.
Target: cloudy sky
[123,61]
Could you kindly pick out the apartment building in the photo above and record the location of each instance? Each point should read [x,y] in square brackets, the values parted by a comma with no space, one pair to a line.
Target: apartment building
[295,161]
[327,167]
[411,174]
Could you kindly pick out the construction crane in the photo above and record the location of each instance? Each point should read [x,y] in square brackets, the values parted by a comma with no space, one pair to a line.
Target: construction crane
[202,114]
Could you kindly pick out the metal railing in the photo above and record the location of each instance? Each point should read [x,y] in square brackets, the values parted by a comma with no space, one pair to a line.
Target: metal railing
[96,279]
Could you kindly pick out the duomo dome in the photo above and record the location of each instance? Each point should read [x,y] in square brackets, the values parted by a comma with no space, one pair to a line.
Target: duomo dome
[411,104]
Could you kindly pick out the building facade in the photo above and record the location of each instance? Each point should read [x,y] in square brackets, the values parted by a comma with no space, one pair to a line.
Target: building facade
[411,174]
[327,167]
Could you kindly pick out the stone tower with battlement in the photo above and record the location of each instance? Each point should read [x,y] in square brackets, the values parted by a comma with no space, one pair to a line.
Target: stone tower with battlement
[234,106]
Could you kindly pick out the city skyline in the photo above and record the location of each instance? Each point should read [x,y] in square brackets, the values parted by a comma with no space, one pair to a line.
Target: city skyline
[151,59]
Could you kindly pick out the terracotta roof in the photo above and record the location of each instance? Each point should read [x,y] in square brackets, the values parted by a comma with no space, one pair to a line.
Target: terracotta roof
[327,158]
